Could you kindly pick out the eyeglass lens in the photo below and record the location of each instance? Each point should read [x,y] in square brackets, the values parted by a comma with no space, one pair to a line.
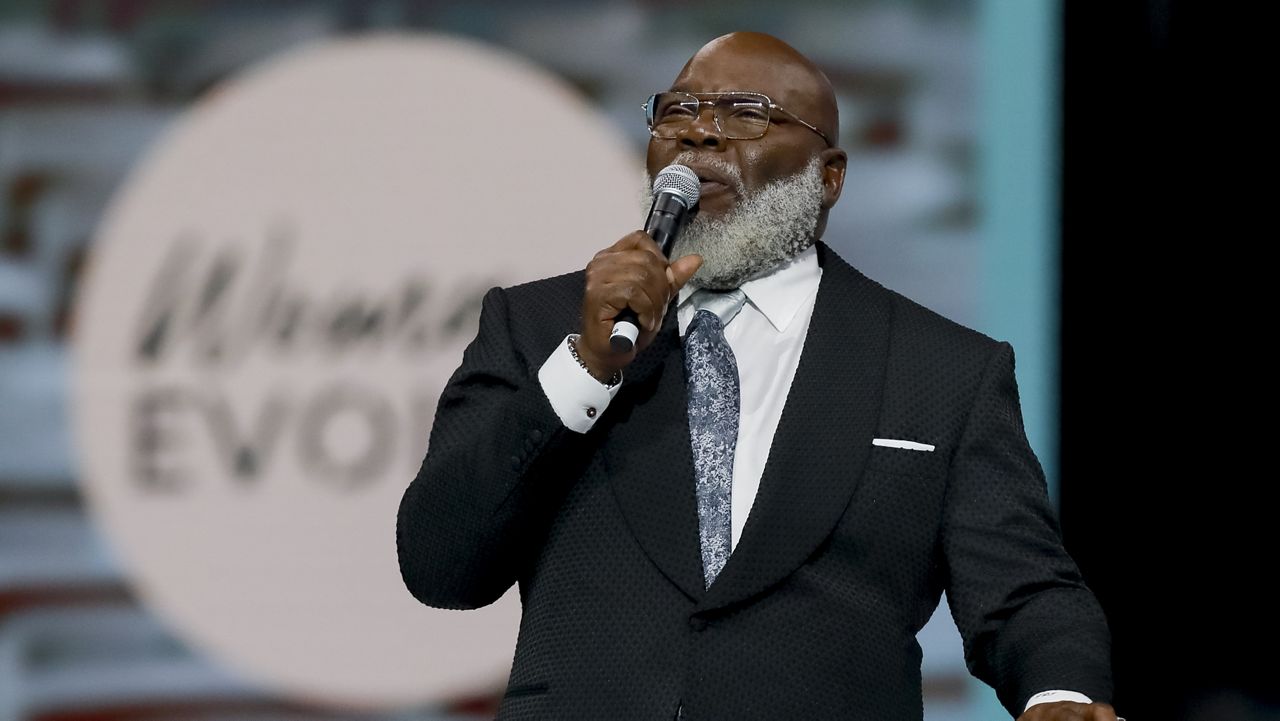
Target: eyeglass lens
[739,116]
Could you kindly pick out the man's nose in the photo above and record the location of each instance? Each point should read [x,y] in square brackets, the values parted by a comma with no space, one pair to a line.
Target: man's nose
[701,132]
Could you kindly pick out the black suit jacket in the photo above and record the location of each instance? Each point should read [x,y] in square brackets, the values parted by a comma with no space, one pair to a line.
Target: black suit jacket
[842,560]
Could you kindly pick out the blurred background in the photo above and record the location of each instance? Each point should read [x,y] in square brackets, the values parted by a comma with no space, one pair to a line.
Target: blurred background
[988,143]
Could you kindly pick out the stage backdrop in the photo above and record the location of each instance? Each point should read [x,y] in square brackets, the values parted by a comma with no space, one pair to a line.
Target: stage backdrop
[242,245]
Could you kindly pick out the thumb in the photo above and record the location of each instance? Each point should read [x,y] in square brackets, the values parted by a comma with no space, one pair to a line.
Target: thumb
[681,270]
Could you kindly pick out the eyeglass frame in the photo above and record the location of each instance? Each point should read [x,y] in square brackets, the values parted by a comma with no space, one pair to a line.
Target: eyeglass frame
[715,117]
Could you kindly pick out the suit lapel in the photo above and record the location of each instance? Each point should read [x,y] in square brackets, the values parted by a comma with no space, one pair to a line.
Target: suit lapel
[823,438]
[650,462]
[818,453]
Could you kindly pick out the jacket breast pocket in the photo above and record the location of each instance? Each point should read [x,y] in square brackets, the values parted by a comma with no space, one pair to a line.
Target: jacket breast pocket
[908,462]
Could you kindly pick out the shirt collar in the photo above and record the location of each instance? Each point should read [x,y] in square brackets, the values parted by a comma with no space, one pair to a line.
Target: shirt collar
[779,294]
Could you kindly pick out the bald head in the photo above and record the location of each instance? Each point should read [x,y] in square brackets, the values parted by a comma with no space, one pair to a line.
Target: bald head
[763,63]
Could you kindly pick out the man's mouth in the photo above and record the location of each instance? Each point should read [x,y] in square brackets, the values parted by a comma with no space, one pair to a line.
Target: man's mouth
[713,181]
[711,187]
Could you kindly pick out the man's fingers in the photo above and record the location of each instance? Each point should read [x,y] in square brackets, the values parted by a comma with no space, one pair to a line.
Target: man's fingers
[679,272]
[641,298]
[638,276]
[1070,711]
[638,239]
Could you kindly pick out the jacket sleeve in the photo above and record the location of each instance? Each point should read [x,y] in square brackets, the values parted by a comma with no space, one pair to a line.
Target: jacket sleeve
[1028,621]
[498,460]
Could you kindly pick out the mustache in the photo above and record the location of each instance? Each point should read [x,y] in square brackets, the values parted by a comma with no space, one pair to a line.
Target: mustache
[720,167]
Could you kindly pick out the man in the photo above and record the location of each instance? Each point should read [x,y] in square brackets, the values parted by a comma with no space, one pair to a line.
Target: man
[684,546]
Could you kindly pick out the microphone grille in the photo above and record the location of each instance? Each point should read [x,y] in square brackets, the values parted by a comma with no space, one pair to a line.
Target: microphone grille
[679,180]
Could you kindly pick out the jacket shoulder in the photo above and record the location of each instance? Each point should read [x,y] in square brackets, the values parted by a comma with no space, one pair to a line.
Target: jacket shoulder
[914,320]
[540,313]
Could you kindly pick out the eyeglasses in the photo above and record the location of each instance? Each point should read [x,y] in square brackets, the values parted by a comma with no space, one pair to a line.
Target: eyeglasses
[739,115]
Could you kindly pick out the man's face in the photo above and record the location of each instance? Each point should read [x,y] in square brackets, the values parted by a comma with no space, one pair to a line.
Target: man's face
[784,150]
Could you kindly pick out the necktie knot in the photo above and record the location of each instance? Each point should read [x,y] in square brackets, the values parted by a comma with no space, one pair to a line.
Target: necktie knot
[725,304]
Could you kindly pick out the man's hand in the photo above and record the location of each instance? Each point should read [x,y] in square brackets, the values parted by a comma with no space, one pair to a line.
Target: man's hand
[632,272]
[1069,711]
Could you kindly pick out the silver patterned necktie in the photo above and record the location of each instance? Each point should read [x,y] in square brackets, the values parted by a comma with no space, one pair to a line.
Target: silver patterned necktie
[711,373]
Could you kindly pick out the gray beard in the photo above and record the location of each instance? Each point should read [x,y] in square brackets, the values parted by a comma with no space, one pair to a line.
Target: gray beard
[763,230]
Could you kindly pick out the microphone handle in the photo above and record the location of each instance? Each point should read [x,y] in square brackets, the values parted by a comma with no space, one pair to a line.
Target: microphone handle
[666,218]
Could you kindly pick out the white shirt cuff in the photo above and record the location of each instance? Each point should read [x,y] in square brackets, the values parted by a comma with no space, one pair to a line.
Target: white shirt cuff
[575,395]
[1056,695]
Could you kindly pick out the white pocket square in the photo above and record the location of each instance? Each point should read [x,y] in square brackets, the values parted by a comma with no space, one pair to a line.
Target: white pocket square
[895,443]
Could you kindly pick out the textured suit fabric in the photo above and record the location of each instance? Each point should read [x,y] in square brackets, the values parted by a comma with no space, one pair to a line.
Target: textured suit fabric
[841,562]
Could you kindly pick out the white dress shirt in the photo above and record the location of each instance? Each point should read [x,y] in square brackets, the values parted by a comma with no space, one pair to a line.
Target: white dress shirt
[766,338]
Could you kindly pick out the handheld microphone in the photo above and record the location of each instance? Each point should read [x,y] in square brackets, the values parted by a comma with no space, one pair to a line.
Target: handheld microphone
[675,201]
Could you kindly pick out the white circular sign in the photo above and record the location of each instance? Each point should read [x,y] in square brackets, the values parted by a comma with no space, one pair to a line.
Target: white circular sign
[274,302]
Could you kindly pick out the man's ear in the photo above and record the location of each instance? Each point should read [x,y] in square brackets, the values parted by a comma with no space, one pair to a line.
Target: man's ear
[834,161]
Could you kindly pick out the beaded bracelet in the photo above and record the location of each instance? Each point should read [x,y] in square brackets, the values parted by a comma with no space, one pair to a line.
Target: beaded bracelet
[573,350]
